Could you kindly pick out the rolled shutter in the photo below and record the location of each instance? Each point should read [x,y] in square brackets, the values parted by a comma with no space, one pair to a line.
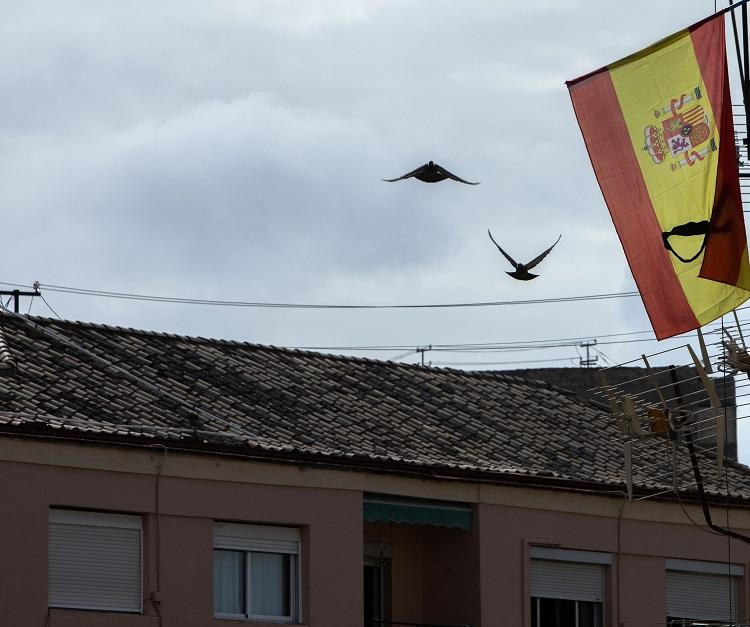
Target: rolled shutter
[701,596]
[95,561]
[262,538]
[567,580]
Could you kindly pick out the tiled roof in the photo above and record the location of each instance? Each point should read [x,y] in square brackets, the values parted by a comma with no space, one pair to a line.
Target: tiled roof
[86,380]
[585,381]
[7,362]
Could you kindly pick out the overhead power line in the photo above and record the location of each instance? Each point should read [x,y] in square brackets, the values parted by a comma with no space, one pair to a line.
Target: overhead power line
[280,305]
[624,337]
[405,349]
[501,363]
[562,341]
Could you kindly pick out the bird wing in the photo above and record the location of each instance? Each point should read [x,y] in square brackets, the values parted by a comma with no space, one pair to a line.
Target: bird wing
[536,260]
[407,175]
[506,255]
[450,175]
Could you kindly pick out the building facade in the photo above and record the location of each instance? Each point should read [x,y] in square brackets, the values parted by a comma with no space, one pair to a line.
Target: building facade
[137,492]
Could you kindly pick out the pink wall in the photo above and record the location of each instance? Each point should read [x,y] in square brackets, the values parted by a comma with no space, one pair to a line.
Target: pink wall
[644,546]
[642,590]
[406,571]
[451,576]
[332,542]
[440,575]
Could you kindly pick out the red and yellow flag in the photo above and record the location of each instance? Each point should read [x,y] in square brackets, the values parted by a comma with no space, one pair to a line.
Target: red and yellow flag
[658,128]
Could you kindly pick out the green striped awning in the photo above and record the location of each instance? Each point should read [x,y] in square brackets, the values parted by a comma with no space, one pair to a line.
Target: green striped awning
[417,512]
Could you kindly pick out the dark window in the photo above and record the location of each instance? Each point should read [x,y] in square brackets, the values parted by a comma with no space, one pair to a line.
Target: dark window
[373,594]
[565,613]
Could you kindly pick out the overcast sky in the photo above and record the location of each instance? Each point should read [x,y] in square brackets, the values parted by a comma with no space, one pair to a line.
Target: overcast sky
[233,150]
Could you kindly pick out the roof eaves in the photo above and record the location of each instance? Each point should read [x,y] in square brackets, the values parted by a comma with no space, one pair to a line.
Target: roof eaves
[200,444]
[495,375]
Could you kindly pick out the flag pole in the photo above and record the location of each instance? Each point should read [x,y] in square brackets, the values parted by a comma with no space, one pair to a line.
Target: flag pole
[731,7]
[739,54]
[746,64]
[743,61]
[740,4]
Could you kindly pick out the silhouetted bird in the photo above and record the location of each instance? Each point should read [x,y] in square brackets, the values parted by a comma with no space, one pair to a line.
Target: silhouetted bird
[430,173]
[521,271]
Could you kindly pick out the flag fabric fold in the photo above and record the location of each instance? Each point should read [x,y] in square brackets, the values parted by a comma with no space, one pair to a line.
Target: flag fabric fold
[659,132]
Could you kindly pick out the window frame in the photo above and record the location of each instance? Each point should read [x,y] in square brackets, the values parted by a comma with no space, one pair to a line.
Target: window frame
[569,556]
[85,518]
[229,615]
[734,572]
[269,539]
[576,609]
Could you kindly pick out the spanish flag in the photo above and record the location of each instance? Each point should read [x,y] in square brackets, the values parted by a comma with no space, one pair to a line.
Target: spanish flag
[658,129]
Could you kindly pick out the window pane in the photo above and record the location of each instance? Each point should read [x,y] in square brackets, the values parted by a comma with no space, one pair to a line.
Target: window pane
[589,614]
[557,613]
[373,594]
[269,584]
[229,582]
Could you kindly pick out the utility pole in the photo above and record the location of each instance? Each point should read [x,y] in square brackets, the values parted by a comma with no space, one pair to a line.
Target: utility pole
[422,350]
[16,294]
[589,361]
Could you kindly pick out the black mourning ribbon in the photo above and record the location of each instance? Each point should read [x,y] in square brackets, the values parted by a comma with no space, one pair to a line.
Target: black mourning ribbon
[687,229]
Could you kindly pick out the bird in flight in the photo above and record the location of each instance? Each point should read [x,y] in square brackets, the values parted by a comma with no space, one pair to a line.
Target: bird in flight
[521,271]
[430,173]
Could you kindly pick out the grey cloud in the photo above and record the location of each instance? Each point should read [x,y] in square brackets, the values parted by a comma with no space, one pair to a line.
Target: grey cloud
[235,150]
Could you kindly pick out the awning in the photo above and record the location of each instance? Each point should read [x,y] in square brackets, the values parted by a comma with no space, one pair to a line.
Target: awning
[417,512]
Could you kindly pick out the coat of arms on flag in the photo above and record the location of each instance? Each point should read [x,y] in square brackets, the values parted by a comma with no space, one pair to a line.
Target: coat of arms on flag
[685,136]
[658,128]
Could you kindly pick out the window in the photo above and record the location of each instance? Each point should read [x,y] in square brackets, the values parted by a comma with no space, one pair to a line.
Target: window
[699,590]
[256,572]
[567,587]
[95,561]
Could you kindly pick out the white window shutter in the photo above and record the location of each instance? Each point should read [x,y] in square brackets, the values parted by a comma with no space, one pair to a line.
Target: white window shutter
[261,538]
[567,580]
[95,561]
[701,596]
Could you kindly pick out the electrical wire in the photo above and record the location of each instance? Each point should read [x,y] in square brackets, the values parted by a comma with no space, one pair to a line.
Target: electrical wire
[480,346]
[400,356]
[609,361]
[50,307]
[496,347]
[498,363]
[404,350]
[280,305]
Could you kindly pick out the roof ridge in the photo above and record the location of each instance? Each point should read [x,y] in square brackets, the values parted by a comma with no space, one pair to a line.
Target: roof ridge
[494,374]
[55,335]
